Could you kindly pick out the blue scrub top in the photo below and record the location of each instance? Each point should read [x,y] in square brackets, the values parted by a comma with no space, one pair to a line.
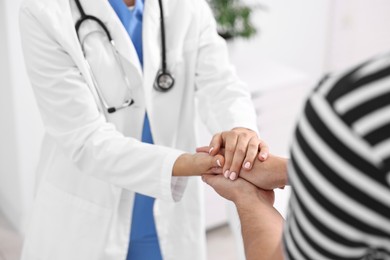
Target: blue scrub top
[143,238]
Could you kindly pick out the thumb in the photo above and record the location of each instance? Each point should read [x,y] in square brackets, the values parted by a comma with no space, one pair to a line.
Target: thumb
[215,144]
[203,149]
[214,181]
[219,161]
[215,164]
[208,179]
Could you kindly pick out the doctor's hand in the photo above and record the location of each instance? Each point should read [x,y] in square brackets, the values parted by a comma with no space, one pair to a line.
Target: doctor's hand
[241,147]
[198,164]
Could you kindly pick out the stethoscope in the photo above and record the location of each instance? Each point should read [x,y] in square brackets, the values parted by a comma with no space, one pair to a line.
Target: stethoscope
[164,80]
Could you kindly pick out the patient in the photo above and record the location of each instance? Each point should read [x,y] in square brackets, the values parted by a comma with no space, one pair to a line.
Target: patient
[339,173]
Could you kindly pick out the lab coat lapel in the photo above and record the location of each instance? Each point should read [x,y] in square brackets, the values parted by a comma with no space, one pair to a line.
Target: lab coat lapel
[156,100]
[151,32]
[123,43]
[69,39]
[151,45]
[68,14]
[152,9]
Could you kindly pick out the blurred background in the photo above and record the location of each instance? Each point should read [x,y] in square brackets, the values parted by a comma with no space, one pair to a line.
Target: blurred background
[280,49]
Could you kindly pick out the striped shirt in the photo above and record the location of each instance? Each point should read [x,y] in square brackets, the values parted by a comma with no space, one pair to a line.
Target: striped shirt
[340,168]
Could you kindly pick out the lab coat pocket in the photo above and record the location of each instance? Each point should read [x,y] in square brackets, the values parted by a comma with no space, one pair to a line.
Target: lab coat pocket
[176,56]
[181,64]
[68,227]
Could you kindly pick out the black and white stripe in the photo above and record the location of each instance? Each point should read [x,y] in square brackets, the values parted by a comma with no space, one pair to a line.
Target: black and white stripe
[340,168]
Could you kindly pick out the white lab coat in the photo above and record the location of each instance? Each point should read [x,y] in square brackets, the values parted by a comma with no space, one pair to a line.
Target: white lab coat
[91,163]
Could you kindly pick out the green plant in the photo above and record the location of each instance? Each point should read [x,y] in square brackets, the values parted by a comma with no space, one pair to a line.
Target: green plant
[233,18]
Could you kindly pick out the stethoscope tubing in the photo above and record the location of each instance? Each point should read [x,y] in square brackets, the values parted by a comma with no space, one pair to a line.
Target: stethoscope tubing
[163,72]
[85,17]
[162,24]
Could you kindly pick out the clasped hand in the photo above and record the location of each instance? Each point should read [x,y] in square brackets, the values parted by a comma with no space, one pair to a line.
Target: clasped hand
[232,155]
[255,184]
[227,153]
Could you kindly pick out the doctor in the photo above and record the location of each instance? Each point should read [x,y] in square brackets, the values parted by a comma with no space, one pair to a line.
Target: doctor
[103,84]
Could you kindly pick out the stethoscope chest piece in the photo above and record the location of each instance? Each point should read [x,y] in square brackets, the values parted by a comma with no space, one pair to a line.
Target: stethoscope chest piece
[164,81]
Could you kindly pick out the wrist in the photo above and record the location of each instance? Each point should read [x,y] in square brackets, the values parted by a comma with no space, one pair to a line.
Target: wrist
[246,201]
[182,165]
[282,172]
[267,175]
[275,168]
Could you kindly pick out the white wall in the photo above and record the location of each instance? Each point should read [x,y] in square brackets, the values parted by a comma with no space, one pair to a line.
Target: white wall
[9,180]
[23,129]
[319,36]
[293,33]
[360,29]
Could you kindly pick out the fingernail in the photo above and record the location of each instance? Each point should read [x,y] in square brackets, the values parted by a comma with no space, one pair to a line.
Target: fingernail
[233,176]
[264,155]
[226,174]
[211,149]
[247,165]
[219,163]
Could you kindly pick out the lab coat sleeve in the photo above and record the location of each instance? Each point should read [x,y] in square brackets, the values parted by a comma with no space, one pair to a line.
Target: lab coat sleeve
[71,117]
[224,101]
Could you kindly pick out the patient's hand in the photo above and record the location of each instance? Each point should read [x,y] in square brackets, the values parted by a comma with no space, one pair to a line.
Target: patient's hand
[269,174]
[241,192]
[198,164]
[261,223]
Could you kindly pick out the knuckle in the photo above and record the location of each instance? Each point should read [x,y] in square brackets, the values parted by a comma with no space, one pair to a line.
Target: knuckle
[232,134]
[224,133]
[213,142]
[229,150]
[244,135]
[256,139]
[264,147]
[253,146]
[240,150]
